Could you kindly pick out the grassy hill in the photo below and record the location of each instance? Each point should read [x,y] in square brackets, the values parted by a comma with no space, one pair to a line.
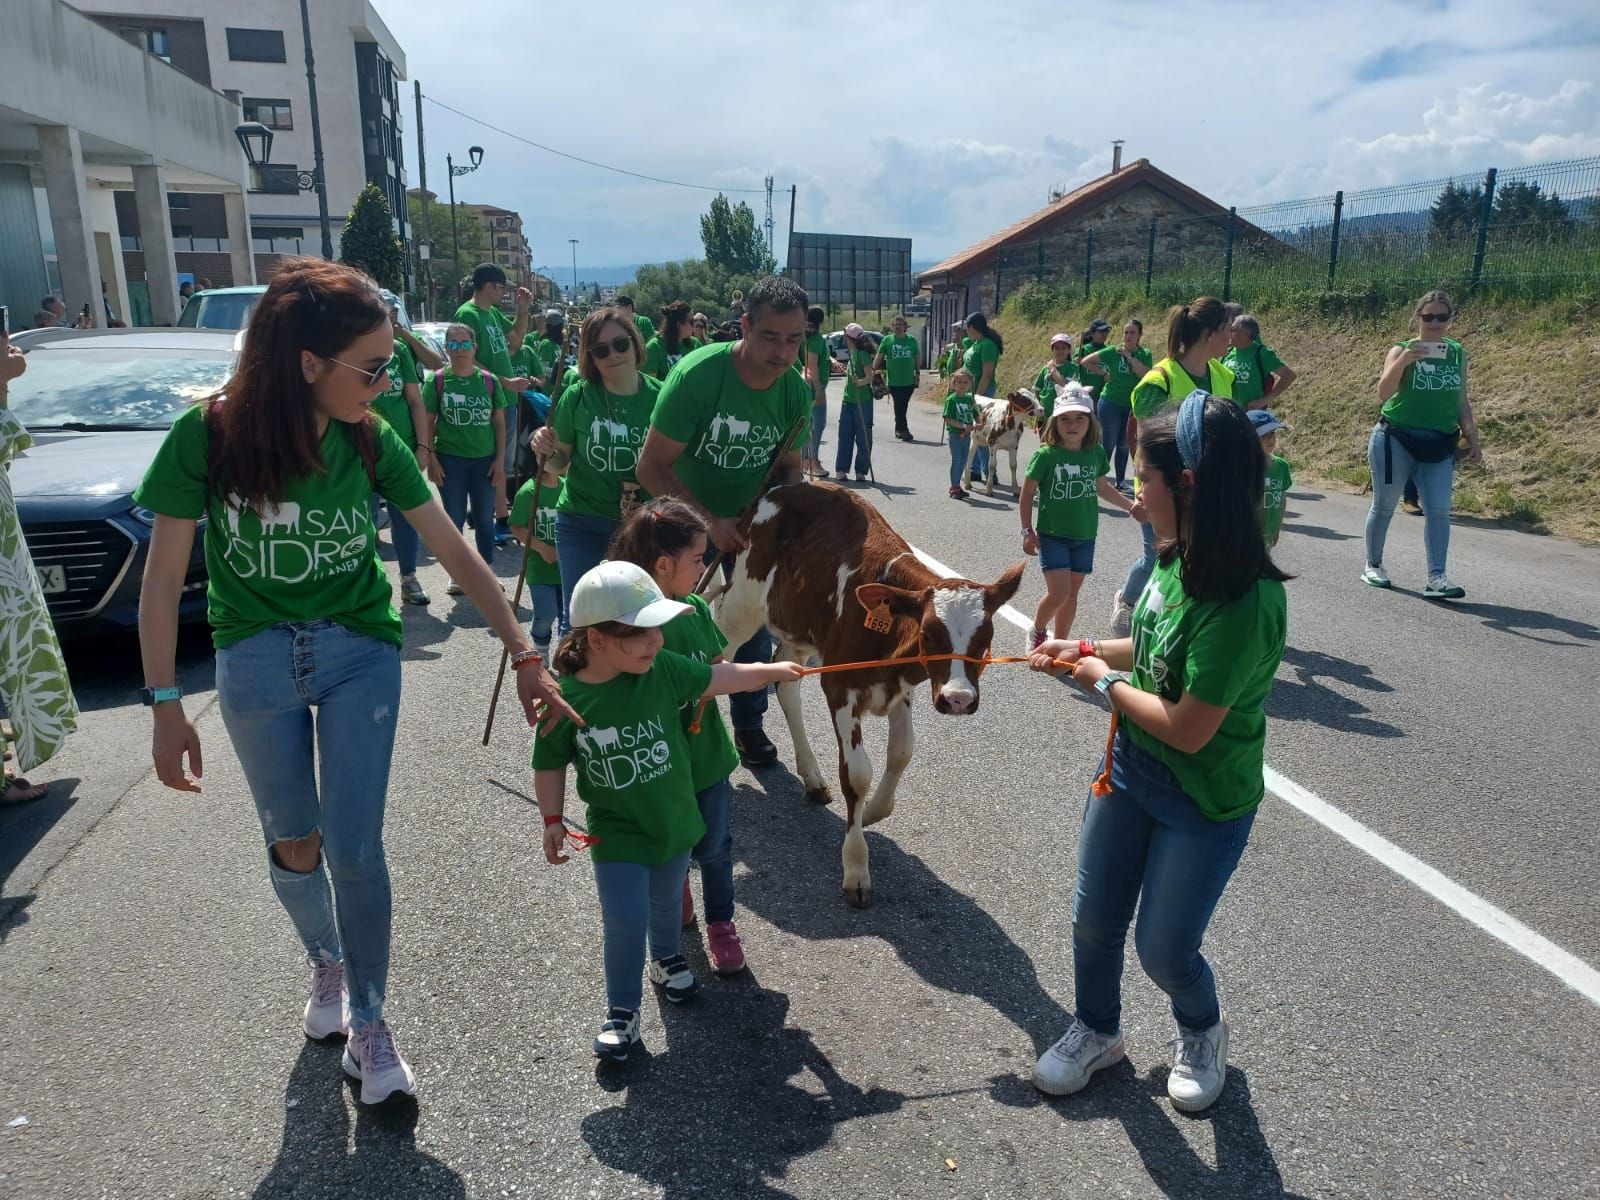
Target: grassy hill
[1532,379]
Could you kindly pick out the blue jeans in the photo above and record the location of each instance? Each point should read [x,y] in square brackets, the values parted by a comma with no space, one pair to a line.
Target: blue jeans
[310,708]
[715,851]
[406,541]
[635,900]
[1139,573]
[467,480]
[960,443]
[581,544]
[855,434]
[746,710]
[548,608]
[1066,554]
[1147,844]
[1114,436]
[819,420]
[1434,484]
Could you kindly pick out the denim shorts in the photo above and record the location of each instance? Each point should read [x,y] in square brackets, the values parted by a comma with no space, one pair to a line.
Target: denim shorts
[1066,554]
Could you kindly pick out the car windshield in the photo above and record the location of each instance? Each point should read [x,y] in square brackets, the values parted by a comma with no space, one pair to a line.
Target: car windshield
[121,388]
[219,310]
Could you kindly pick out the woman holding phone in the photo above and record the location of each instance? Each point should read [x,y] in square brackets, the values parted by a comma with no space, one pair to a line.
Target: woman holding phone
[1423,389]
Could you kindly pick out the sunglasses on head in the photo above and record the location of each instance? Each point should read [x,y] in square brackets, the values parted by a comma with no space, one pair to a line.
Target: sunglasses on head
[621,344]
[1436,318]
[452,344]
[370,378]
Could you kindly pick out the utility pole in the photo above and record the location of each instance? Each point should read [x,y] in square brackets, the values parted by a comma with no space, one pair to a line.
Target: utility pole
[768,221]
[574,242]
[425,247]
[788,246]
[317,175]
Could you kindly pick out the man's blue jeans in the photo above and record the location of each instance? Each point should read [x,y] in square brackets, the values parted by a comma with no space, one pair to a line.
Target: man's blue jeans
[310,708]
[746,710]
[1148,845]
[1434,484]
[714,854]
[636,900]
[819,421]
[468,480]
[1114,436]
[1139,573]
[581,544]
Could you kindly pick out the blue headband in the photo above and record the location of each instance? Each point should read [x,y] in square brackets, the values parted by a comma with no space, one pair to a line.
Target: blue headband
[1191,421]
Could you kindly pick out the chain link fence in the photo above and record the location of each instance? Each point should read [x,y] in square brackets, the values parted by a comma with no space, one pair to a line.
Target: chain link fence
[1532,232]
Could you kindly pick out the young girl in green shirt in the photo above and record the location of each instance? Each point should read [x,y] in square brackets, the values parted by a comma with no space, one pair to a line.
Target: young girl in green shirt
[635,775]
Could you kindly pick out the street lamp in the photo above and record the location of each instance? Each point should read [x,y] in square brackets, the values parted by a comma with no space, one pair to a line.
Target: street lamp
[574,242]
[475,153]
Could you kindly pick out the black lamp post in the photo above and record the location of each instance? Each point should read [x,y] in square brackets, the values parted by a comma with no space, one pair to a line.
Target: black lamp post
[475,153]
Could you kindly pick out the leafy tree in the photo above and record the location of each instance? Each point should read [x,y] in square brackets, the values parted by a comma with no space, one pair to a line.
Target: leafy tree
[443,268]
[1455,213]
[703,285]
[369,241]
[1523,208]
[733,241]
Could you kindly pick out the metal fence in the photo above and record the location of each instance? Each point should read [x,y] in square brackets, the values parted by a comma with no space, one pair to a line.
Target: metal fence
[1533,231]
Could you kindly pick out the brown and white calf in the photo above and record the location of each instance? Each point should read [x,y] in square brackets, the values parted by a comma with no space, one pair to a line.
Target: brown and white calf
[999,427]
[819,559]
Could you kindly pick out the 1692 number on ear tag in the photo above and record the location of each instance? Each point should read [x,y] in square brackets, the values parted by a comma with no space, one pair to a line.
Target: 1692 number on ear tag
[878,619]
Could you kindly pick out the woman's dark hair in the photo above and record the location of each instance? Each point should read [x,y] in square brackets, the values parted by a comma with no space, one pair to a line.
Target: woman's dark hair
[981,323]
[674,316]
[264,430]
[1219,539]
[815,316]
[592,325]
[1188,323]
[572,655]
[665,527]
[1136,323]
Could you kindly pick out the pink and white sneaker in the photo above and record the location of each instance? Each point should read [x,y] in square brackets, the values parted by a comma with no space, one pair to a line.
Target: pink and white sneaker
[371,1057]
[724,948]
[328,1010]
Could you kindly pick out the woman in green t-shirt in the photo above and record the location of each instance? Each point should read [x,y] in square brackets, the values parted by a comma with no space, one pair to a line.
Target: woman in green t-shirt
[982,358]
[816,367]
[1423,388]
[636,775]
[1167,819]
[671,343]
[855,414]
[283,464]
[467,408]
[1120,369]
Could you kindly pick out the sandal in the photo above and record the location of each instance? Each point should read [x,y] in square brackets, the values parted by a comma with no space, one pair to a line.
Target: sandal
[17,790]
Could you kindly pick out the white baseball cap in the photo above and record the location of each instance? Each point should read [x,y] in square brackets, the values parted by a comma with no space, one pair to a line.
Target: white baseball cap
[623,592]
[1061,337]
[1072,400]
[854,331]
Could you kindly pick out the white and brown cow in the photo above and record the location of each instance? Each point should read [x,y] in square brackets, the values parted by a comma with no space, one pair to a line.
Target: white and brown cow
[819,559]
[999,426]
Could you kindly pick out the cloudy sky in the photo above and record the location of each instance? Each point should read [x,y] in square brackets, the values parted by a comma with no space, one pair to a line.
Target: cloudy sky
[942,122]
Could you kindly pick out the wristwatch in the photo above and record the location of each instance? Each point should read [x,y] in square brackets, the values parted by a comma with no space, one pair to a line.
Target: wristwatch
[1103,684]
[150,697]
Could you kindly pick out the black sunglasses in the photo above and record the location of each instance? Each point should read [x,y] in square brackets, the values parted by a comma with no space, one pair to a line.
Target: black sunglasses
[621,344]
[1435,318]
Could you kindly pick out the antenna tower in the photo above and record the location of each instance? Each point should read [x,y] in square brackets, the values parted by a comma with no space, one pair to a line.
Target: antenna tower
[768,222]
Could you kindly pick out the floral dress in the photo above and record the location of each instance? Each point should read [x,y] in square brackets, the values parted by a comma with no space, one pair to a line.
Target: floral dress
[34,689]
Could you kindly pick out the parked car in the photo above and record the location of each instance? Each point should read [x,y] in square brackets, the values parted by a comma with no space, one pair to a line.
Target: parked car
[98,404]
[230,308]
[432,332]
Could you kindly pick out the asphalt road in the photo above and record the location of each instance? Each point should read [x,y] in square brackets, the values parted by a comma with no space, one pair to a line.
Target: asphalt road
[1383,1045]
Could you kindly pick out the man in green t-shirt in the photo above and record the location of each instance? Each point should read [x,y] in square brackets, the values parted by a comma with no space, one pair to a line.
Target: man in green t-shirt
[1258,372]
[495,334]
[898,356]
[716,430]
[645,326]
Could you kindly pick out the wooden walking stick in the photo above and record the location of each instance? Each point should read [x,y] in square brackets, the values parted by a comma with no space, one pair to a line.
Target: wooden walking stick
[773,468]
[516,601]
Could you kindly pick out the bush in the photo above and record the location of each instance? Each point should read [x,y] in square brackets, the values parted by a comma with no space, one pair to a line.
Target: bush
[369,240]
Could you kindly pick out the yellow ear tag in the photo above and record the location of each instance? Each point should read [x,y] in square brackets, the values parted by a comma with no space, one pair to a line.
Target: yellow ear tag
[878,619]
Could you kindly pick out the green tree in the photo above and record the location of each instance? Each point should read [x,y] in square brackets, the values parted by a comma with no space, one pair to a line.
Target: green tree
[443,268]
[1522,209]
[1455,213]
[733,241]
[705,287]
[369,241]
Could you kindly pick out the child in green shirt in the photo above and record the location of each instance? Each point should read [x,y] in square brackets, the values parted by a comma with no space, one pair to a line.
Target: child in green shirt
[533,523]
[634,776]
[960,415]
[1279,479]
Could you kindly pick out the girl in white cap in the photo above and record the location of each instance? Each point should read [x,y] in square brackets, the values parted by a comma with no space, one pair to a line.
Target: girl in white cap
[634,774]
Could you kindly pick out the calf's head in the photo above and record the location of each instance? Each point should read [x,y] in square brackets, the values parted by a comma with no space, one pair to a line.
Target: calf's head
[954,616]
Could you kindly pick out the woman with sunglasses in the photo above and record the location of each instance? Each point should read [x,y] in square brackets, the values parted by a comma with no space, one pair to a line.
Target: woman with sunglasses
[593,442]
[671,343]
[282,464]
[1423,388]
[702,328]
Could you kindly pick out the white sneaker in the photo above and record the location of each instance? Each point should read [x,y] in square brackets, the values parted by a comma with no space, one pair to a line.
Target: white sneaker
[618,1035]
[1121,617]
[455,589]
[1079,1052]
[328,1010]
[1199,1067]
[371,1057]
[673,977]
[1375,577]
[1440,588]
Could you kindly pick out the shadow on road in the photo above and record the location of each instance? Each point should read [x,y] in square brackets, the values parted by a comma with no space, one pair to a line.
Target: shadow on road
[21,829]
[791,848]
[725,1108]
[1305,699]
[1246,1167]
[1320,532]
[314,1159]
[1529,623]
[107,672]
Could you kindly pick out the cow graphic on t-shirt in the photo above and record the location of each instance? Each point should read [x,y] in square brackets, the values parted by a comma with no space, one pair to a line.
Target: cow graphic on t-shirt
[620,756]
[737,444]
[1071,481]
[293,543]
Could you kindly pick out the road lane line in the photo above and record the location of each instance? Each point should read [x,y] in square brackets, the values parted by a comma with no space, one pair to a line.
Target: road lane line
[1502,926]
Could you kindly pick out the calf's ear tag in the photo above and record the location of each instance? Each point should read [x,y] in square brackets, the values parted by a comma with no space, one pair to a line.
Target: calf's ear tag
[878,619]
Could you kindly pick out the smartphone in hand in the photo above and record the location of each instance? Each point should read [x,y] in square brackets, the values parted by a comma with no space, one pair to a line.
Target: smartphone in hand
[1432,349]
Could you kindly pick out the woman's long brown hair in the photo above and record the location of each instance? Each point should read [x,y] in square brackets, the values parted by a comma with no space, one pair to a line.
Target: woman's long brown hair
[263,424]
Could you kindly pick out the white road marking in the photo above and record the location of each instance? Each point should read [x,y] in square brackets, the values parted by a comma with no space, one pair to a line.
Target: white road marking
[1502,926]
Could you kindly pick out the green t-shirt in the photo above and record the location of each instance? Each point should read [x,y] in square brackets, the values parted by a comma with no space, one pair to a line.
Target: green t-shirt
[695,635]
[314,555]
[900,355]
[1429,396]
[1224,654]
[525,361]
[606,433]
[546,351]
[1250,368]
[858,378]
[962,409]
[1069,506]
[632,757]
[465,405]
[490,329]
[391,405]
[977,353]
[1120,380]
[1088,378]
[543,525]
[658,360]
[1278,482]
[816,344]
[645,326]
[730,431]
[1045,388]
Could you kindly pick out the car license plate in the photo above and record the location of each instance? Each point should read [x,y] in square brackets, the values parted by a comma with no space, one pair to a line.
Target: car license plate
[53,579]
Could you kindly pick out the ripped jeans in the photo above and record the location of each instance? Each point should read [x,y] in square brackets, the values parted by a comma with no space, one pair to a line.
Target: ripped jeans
[311,708]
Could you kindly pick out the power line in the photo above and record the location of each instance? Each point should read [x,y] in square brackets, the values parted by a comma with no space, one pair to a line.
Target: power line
[588,162]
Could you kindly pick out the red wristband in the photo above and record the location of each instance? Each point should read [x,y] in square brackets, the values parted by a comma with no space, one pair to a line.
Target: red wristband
[555,820]
[1086,649]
